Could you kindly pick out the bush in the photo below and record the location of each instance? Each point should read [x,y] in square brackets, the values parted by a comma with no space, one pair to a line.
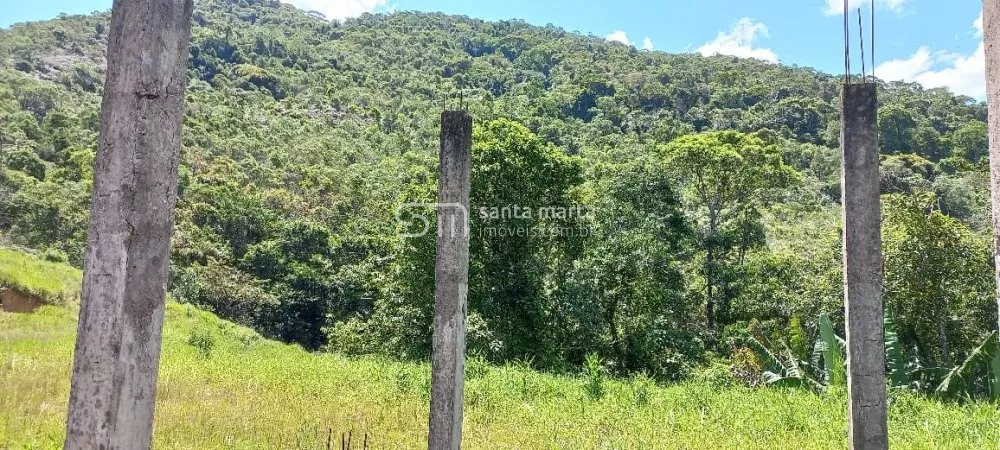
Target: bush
[594,376]
[747,367]
[203,341]
[717,374]
[55,255]
[642,385]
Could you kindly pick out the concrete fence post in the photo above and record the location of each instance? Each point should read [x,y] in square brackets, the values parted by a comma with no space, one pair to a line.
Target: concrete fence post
[863,268]
[991,38]
[451,278]
[115,367]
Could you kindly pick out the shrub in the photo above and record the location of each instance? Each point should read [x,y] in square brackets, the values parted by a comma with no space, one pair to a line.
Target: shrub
[203,341]
[717,374]
[747,367]
[642,385]
[55,255]
[594,376]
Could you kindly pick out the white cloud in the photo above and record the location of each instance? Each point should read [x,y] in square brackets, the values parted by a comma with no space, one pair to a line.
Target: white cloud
[739,41]
[836,7]
[961,74]
[339,9]
[618,36]
[978,25]
[622,37]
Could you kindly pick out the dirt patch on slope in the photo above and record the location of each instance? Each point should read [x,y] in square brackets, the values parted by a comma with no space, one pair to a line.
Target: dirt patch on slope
[13,301]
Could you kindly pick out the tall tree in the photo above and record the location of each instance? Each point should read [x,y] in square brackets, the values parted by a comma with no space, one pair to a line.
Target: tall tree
[935,279]
[991,37]
[728,176]
[625,296]
[514,253]
[511,253]
[132,216]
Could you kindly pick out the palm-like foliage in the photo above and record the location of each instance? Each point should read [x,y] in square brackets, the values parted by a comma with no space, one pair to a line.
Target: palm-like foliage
[978,375]
[833,349]
[783,368]
[896,363]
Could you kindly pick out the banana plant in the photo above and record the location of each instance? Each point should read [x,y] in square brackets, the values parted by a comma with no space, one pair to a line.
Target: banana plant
[978,374]
[828,365]
[833,349]
[895,362]
[783,368]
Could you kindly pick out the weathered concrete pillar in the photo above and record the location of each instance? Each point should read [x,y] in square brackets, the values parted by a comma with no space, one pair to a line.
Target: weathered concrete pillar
[991,36]
[451,281]
[863,268]
[131,222]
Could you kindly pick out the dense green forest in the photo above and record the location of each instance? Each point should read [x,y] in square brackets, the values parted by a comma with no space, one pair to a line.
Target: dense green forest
[710,190]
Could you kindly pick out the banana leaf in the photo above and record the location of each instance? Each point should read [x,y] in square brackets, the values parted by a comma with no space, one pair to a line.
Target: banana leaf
[894,353]
[982,364]
[771,361]
[833,349]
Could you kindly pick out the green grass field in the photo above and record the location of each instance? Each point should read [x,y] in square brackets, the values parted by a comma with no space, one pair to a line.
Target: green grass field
[223,386]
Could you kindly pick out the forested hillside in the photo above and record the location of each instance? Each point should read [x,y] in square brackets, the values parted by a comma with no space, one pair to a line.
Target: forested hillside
[709,186]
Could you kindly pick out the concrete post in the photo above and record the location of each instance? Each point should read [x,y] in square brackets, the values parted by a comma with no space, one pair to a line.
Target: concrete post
[991,36]
[116,363]
[863,268]
[451,282]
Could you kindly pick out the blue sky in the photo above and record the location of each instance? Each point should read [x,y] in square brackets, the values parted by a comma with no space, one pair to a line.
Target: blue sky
[933,42]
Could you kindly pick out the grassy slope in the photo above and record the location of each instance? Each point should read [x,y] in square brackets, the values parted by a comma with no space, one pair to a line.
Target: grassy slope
[253,393]
[53,282]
